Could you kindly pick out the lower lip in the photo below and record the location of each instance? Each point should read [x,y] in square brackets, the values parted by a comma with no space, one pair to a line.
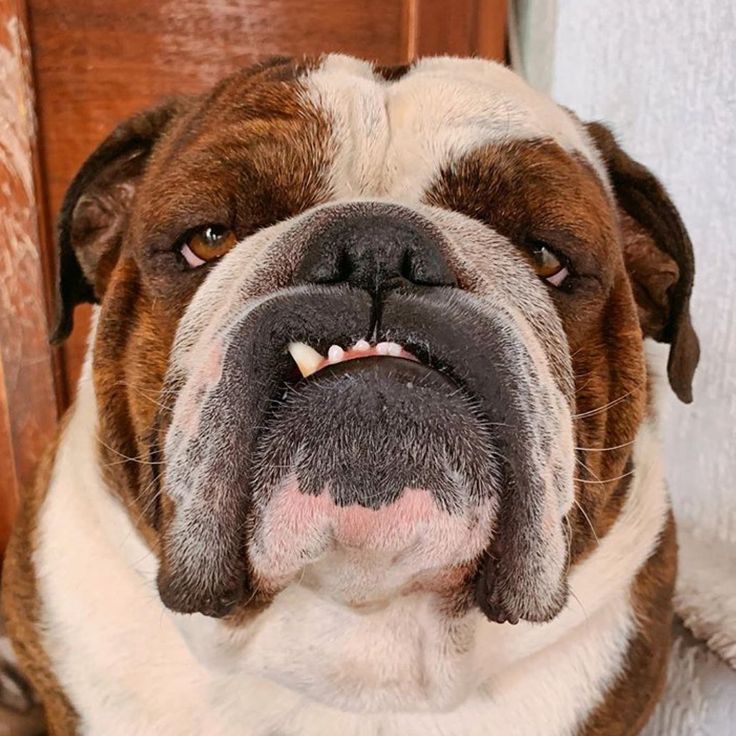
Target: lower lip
[409,371]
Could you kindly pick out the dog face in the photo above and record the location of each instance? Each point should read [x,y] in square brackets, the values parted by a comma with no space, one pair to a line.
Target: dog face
[375,335]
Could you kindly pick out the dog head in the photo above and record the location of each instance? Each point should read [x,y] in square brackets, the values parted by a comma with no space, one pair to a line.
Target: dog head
[373,334]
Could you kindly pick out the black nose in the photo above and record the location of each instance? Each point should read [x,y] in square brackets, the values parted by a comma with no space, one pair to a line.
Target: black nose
[375,246]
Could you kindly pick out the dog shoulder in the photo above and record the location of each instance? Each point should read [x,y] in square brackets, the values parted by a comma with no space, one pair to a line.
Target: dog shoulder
[21,603]
[629,702]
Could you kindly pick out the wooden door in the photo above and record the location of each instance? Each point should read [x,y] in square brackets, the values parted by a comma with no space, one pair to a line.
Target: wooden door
[91,63]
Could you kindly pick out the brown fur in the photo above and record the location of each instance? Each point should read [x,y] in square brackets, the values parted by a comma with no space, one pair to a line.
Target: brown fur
[21,605]
[260,122]
[641,196]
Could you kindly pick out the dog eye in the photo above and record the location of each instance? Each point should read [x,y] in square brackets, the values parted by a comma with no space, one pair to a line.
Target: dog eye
[547,265]
[207,244]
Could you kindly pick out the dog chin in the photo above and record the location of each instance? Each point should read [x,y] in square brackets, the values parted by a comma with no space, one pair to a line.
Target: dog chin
[375,478]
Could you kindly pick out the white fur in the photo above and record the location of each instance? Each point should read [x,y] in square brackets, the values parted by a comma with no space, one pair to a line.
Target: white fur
[125,662]
[393,139]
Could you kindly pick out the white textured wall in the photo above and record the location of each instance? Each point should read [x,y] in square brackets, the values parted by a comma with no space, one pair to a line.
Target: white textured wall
[663,73]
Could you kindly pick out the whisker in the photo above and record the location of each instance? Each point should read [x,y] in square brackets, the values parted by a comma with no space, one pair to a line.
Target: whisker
[115,463]
[585,467]
[579,602]
[580,389]
[587,518]
[608,480]
[124,456]
[567,531]
[605,449]
[600,409]
[142,514]
[148,397]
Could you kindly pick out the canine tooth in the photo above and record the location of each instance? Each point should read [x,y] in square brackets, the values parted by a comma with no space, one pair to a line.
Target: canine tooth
[394,349]
[362,345]
[306,358]
[335,354]
[383,347]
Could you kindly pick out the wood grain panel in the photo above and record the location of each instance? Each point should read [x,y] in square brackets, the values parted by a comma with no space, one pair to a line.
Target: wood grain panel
[445,27]
[490,29]
[28,409]
[98,61]
[460,27]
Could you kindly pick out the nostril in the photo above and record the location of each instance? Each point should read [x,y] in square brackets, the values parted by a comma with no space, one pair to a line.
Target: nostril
[407,270]
[345,266]
[330,267]
[427,268]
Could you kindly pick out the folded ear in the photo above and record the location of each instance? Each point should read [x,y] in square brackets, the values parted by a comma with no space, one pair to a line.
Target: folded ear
[95,209]
[659,258]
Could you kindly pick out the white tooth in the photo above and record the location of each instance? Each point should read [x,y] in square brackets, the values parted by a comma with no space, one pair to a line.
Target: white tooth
[306,358]
[362,345]
[394,349]
[383,347]
[335,354]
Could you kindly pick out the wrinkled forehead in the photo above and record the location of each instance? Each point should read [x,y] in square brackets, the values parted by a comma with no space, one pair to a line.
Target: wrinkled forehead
[339,128]
[440,110]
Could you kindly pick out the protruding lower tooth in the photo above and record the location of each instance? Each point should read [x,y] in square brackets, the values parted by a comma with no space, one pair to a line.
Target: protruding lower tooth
[383,347]
[335,354]
[361,346]
[306,358]
[394,349]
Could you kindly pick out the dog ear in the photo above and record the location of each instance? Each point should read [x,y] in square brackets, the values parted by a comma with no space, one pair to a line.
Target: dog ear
[659,258]
[95,210]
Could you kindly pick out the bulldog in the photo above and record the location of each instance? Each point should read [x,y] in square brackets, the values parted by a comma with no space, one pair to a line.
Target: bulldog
[366,438]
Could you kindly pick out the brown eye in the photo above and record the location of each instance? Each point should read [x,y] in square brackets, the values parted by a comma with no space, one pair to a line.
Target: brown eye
[207,244]
[547,265]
